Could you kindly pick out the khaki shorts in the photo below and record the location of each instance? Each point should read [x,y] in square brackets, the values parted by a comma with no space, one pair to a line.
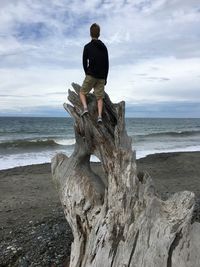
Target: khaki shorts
[91,82]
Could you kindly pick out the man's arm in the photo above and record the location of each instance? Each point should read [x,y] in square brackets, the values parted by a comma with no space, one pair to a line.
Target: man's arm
[85,57]
[106,66]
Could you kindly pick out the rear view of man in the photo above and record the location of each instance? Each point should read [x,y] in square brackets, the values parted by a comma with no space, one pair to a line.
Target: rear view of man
[95,64]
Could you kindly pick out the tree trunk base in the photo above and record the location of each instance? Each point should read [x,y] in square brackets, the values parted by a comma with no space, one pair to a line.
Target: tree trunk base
[118,220]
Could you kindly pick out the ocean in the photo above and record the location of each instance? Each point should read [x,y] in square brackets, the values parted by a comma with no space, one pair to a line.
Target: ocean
[30,140]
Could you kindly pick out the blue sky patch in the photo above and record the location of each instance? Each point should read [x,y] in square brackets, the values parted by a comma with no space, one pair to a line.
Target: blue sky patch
[153,50]
[31,31]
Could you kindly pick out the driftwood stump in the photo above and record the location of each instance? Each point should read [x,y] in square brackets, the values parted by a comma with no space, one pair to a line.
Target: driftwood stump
[118,220]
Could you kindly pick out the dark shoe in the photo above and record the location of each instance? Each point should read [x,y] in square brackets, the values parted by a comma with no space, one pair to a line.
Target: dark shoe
[99,120]
[85,111]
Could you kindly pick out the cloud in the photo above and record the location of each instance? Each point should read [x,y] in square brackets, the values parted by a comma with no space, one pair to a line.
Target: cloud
[153,49]
[31,31]
[176,109]
[145,81]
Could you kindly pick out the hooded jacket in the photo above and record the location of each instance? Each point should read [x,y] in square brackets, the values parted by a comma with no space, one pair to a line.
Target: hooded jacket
[95,59]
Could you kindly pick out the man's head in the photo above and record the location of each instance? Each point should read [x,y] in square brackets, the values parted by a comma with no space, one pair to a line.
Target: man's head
[95,30]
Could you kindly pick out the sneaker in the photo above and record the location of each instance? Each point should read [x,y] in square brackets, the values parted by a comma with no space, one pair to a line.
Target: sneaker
[85,111]
[99,120]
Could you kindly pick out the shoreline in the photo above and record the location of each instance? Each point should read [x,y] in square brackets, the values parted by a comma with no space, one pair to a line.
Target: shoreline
[33,228]
[137,159]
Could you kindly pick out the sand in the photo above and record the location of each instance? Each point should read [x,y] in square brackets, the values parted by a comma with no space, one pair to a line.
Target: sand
[33,230]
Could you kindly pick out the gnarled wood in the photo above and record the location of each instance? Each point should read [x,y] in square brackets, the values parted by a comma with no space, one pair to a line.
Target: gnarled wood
[118,220]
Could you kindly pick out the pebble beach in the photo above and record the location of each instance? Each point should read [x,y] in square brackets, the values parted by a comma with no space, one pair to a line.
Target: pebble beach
[33,229]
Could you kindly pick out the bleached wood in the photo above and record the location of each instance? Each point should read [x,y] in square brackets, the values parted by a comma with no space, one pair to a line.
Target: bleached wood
[118,220]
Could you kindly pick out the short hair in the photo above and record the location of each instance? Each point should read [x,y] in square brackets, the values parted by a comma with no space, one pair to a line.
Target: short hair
[94,30]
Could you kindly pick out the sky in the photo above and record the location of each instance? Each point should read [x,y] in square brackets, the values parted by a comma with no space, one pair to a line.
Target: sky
[153,45]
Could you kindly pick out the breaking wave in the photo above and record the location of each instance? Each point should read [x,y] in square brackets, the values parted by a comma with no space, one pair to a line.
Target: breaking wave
[36,143]
[172,134]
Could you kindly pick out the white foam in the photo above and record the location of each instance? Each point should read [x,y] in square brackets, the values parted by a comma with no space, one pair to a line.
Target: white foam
[144,153]
[65,142]
[23,159]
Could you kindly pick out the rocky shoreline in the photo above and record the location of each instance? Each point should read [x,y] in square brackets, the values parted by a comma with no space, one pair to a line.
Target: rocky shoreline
[33,229]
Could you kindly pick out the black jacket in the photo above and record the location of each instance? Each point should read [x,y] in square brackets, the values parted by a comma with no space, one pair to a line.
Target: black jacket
[95,59]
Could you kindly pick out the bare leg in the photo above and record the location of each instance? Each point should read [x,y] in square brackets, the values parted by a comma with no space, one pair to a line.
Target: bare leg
[83,100]
[100,106]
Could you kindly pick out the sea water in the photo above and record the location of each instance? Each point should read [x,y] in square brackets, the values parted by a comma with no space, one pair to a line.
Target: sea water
[30,140]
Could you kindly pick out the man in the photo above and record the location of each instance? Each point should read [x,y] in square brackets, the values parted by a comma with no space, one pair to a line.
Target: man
[95,64]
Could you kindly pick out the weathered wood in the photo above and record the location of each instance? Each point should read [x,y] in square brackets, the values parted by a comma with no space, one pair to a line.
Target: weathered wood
[119,221]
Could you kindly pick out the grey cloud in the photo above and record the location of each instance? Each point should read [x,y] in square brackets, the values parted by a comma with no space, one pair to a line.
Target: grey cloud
[175,109]
[161,79]
[160,33]
[31,31]
[51,34]
[141,74]
[13,96]
[57,93]
[164,79]
[154,68]
[152,78]
[39,111]
[183,93]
